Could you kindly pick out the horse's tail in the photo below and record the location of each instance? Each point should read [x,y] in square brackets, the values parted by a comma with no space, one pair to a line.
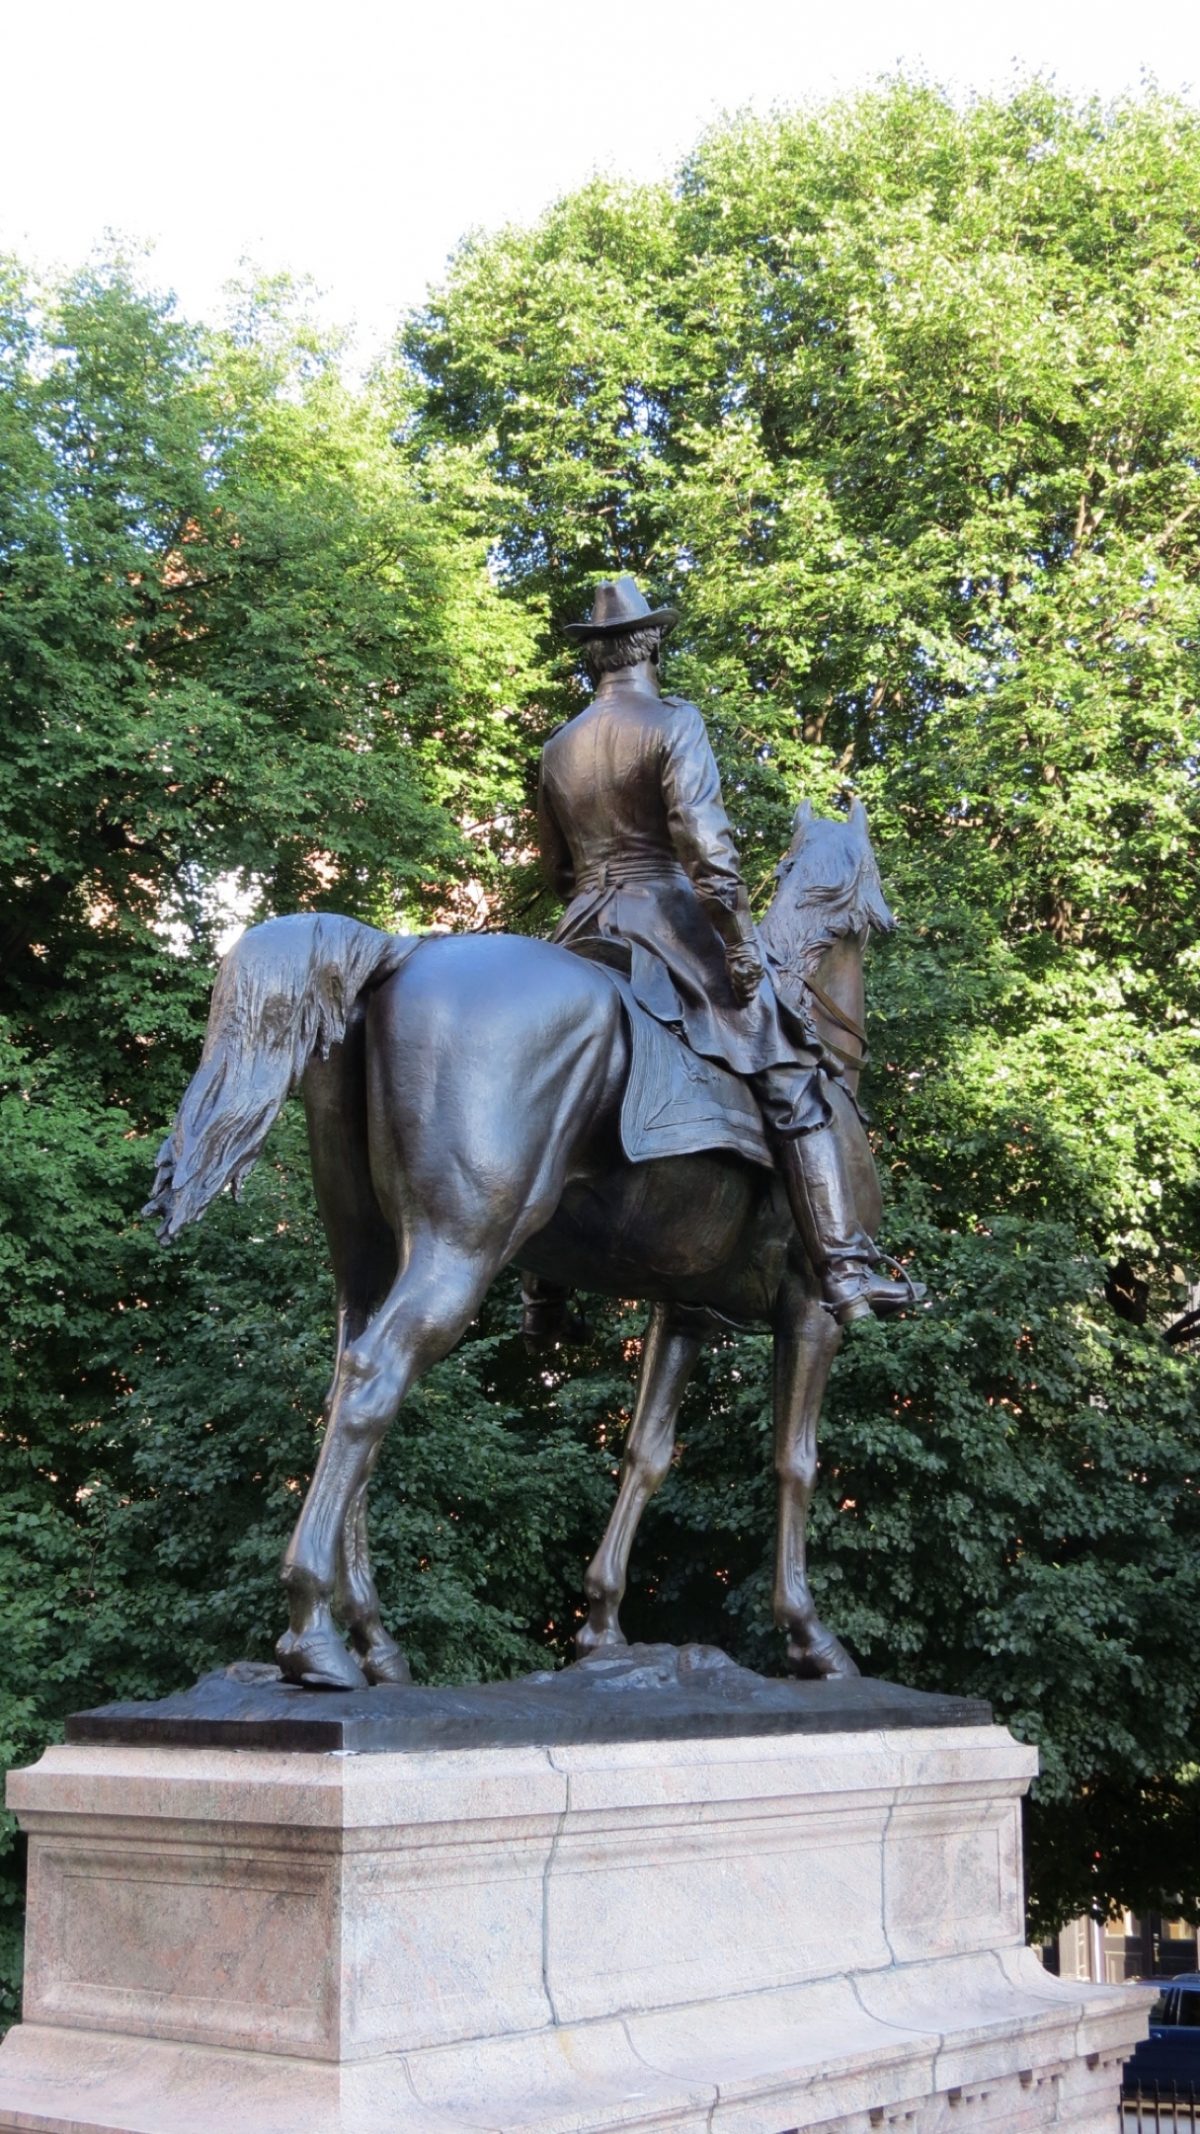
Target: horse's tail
[283,993]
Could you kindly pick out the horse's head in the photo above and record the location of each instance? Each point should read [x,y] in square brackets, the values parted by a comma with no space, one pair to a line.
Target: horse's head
[829,887]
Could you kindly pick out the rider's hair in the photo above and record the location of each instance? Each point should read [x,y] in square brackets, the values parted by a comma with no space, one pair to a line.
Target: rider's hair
[607,655]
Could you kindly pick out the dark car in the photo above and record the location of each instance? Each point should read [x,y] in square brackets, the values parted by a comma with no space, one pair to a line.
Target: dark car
[1171,2053]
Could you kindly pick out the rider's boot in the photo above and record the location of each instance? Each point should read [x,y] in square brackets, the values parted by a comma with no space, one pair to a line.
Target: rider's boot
[838,1248]
[547,1316]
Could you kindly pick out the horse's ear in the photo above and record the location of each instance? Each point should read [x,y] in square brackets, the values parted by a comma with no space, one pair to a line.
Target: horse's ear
[803,816]
[856,818]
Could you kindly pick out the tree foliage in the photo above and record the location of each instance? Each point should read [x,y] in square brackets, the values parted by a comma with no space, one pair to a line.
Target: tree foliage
[899,404]
[240,658]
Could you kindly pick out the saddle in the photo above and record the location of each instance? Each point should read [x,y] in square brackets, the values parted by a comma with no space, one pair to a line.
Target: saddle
[677,1104]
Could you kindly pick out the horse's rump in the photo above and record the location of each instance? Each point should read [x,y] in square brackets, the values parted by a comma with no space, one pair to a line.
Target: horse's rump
[506,989]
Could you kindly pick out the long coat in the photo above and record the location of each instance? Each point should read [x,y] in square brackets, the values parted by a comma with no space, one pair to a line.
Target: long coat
[635,835]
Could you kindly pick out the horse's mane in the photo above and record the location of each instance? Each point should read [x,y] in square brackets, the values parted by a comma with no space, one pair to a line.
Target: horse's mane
[829,886]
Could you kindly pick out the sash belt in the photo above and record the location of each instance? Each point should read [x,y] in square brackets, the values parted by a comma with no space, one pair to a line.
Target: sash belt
[616,873]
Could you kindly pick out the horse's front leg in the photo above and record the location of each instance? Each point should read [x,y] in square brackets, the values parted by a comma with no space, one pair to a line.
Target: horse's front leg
[807,1338]
[668,1358]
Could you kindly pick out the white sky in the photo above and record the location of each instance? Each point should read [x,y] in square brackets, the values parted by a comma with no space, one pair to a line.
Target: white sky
[357,141]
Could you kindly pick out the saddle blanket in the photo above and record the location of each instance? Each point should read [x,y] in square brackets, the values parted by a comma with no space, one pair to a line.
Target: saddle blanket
[677,1104]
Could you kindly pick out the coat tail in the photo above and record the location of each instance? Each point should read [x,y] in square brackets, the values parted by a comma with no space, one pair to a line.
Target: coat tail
[283,994]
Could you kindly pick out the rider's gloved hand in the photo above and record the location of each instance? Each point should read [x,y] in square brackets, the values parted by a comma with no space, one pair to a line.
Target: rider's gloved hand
[744,965]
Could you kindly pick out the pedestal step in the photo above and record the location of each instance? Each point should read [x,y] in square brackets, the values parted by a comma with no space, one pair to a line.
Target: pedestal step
[1021,2054]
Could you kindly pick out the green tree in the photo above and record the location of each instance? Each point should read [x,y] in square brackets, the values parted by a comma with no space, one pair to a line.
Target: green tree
[898,402]
[241,658]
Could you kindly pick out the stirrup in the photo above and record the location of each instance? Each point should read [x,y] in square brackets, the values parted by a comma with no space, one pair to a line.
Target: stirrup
[916,1290]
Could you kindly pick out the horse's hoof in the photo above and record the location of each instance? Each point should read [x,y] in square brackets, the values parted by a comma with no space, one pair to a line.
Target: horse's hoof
[590,1640]
[820,1658]
[317,1659]
[383,1661]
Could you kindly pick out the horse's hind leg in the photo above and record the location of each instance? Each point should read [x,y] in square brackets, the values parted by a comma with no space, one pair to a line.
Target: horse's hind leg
[357,1600]
[471,1146]
[807,1339]
[362,1247]
[668,1359]
[427,1309]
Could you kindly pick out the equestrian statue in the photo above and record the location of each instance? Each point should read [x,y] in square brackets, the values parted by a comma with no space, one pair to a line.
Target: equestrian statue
[660,1101]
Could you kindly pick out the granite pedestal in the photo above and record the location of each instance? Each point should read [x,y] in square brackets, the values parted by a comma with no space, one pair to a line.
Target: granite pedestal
[738,1932]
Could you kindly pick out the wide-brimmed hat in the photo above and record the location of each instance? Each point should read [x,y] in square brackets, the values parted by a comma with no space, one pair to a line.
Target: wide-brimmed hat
[618,606]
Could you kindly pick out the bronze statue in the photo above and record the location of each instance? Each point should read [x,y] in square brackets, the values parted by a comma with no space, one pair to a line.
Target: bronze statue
[582,1110]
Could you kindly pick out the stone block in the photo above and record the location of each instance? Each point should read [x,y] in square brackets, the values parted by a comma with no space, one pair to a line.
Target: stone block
[731,1936]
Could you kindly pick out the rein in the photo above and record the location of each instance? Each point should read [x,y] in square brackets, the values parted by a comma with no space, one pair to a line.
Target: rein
[841,1021]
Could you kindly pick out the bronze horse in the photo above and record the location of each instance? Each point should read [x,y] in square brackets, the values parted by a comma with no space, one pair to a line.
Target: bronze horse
[462,1095]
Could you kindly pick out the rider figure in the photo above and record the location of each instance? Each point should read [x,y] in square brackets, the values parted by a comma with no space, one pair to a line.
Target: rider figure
[635,836]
